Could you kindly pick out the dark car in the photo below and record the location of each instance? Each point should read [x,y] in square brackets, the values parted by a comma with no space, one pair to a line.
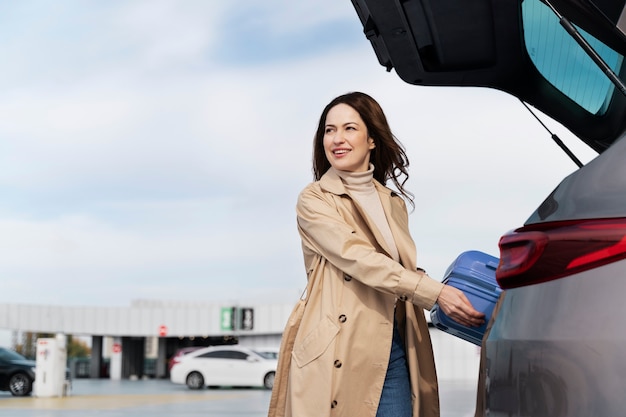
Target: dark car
[556,346]
[17,373]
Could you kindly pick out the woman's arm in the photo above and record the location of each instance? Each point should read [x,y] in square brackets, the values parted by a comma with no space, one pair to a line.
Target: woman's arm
[325,231]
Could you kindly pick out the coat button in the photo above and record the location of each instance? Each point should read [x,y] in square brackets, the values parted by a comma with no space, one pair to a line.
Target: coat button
[342,318]
[337,363]
[347,277]
[333,404]
[403,298]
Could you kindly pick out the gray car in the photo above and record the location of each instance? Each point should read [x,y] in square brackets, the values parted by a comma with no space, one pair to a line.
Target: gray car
[557,345]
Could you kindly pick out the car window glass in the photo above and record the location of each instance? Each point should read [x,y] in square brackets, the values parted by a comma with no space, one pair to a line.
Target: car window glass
[235,354]
[267,355]
[9,355]
[563,63]
[225,354]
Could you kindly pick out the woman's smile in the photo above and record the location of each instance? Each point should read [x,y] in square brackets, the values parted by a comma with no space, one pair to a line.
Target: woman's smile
[346,141]
[340,152]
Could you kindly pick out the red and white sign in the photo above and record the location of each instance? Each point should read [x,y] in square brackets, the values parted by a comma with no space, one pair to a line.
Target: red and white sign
[117,348]
[162,330]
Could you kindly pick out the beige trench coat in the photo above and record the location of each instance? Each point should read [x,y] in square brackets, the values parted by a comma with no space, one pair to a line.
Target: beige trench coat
[341,350]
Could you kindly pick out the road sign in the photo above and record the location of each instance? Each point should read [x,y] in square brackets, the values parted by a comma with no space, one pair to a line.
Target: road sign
[233,318]
[227,318]
[246,317]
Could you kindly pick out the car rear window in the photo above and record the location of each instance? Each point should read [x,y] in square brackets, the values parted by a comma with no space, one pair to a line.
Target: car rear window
[563,63]
[225,354]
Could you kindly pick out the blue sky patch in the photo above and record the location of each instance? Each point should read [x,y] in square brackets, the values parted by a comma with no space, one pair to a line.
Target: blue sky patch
[252,43]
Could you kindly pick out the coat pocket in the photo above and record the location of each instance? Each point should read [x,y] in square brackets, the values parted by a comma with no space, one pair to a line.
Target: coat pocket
[315,343]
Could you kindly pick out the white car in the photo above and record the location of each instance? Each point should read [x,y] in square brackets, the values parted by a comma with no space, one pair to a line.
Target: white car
[233,366]
[269,352]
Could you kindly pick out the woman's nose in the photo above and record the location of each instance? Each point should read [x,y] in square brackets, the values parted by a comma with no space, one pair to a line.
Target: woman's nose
[338,137]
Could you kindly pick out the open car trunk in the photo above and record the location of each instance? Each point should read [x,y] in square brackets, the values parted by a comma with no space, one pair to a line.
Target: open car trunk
[509,45]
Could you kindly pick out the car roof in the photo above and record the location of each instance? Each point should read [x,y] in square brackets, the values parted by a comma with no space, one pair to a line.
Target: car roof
[510,45]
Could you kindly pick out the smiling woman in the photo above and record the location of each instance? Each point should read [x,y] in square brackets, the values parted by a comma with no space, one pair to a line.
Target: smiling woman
[365,282]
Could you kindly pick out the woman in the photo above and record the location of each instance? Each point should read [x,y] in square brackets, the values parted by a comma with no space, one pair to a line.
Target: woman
[363,347]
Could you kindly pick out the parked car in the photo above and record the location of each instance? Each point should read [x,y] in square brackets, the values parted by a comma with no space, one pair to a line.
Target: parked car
[234,366]
[179,354]
[17,373]
[557,346]
[268,352]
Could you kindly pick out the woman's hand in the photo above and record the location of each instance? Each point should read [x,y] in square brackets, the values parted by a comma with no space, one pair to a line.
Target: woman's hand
[456,306]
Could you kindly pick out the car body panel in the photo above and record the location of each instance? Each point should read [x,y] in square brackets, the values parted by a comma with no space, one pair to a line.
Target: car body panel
[557,348]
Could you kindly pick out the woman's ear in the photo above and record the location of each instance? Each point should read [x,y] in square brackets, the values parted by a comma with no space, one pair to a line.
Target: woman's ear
[371,142]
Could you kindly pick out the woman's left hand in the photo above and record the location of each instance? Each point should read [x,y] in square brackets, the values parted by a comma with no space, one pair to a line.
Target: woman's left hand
[456,306]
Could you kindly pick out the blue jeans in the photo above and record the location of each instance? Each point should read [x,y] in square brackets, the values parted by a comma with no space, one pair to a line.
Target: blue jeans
[395,400]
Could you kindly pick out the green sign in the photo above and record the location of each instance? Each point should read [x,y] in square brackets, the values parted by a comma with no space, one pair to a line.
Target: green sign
[227,318]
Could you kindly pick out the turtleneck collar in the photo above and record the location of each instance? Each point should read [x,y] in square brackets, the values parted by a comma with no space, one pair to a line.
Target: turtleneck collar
[357,180]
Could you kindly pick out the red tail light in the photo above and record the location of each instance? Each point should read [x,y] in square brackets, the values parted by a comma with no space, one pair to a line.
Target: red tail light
[546,251]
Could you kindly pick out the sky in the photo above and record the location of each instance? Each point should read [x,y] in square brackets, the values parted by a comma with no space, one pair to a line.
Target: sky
[155,149]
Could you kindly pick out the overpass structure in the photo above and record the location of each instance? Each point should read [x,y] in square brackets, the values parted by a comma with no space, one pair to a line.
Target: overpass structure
[171,324]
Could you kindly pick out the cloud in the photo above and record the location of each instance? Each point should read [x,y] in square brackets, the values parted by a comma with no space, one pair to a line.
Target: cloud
[148,152]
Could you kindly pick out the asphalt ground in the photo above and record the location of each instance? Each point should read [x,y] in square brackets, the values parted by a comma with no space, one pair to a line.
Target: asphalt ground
[161,398]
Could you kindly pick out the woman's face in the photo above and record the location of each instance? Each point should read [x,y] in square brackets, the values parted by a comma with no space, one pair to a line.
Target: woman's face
[346,143]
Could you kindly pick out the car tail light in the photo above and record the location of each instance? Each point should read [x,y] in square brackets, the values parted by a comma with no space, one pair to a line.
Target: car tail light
[547,251]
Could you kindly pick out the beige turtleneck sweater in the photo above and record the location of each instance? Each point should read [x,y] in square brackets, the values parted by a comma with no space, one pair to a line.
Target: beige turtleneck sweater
[361,187]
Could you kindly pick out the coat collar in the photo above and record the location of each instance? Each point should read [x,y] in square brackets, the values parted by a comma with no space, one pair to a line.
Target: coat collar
[394,209]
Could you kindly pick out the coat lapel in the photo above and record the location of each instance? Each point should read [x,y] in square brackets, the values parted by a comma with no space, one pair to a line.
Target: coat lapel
[395,210]
[330,181]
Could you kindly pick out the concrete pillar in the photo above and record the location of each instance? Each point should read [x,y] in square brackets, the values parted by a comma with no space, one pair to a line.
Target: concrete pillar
[95,364]
[133,356]
[161,365]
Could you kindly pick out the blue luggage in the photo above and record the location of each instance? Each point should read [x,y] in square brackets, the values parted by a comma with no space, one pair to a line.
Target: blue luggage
[474,273]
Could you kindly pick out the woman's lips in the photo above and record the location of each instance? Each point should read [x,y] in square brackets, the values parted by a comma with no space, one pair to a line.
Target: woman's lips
[340,152]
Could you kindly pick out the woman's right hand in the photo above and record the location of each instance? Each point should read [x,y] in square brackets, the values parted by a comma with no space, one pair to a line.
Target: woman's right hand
[455,304]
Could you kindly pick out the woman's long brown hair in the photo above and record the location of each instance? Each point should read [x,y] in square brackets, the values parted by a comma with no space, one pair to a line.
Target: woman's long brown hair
[388,157]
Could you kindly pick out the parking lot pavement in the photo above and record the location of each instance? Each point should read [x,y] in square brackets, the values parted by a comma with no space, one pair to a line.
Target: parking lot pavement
[457,398]
[161,398]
